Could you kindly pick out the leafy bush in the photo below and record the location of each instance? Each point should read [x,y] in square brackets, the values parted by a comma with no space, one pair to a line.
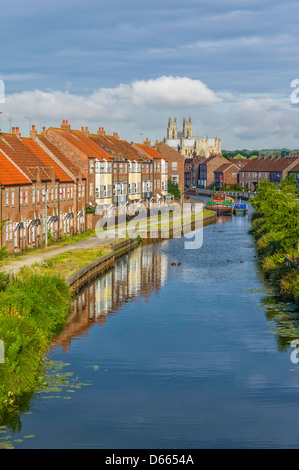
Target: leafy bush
[173,188]
[33,310]
[275,226]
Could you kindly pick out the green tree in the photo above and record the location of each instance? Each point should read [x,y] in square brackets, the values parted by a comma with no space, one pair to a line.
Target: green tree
[173,188]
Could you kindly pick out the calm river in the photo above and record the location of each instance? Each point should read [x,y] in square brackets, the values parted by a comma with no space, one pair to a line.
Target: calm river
[169,356]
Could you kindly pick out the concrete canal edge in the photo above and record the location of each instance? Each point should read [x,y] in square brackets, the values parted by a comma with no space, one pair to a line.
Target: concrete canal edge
[100,265]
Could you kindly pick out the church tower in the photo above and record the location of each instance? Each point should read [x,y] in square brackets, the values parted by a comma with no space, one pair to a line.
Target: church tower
[172,129]
[187,128]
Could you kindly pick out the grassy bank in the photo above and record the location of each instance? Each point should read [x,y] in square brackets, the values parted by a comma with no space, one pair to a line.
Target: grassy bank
[275,227]
[34,306]
[28,322]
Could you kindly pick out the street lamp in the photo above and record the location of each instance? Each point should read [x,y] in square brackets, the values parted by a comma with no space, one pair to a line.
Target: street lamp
[29,121]
[45,193]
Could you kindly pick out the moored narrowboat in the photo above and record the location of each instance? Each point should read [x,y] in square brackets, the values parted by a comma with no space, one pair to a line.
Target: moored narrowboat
[240,208]
[221,204]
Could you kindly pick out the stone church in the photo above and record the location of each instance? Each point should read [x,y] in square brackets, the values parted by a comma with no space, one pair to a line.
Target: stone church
[187,144]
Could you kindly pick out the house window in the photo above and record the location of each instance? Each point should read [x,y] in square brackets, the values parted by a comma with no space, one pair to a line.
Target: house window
[6,198]
[90,189]
[33,195]
[234,175]
[174,165]
[12,197]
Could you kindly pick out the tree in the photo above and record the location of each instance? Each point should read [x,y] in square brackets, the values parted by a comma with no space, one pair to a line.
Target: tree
[173,188]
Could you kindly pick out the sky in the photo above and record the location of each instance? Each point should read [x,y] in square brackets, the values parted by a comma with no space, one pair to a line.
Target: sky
[129,65]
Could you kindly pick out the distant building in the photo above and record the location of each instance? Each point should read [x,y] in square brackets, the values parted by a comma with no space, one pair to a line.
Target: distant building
[226,175]
[206,170]
[187,144]
[295,171]
[271,168]
[176,163]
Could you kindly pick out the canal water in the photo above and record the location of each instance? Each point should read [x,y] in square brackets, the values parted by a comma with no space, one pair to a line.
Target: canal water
[174,349]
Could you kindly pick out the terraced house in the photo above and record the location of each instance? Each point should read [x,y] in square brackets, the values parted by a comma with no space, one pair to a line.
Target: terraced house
[271,168]
[48,180]
[43,198]
[295,171]
[126,166]
[160,165]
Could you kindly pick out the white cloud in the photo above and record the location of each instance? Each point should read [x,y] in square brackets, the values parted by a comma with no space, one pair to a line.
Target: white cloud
[144,106]
[111,103]
[172,91]
[263,118]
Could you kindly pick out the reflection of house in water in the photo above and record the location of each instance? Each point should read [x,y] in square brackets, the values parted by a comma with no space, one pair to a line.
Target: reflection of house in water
[138,274]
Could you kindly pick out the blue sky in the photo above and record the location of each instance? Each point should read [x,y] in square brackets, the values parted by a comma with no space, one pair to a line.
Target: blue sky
[128,66]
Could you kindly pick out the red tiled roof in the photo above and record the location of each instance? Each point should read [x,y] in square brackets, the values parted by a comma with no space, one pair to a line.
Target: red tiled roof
[268,164]
[10,174]
[82,143]
[151,152]
[22,156]
[169,153]
[295,168]
[47,160]
[226,166]
[60,156]
[117,146]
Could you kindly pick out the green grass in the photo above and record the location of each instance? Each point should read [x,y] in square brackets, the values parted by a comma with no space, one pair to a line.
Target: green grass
[67,240]
[28,322]
[66,263]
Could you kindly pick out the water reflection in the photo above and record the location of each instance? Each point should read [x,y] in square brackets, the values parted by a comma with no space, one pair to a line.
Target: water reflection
[284,318]
[138,274]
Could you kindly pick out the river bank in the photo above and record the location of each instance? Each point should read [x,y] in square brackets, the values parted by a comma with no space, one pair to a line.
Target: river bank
[172,348]
[35,304]
[275,228]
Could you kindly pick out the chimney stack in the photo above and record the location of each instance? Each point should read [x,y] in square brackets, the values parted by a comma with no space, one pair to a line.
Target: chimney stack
[18,132]
[147,142]
[33,133]
[65,125]
[43,132]
[101,131]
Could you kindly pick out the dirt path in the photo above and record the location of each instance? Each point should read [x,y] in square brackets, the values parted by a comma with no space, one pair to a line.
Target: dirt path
[12,266]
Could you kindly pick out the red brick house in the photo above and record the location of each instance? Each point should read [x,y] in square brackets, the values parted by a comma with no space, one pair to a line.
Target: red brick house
[226,175]
[176,163]
[46,180]
[206,170]
[271,168]
[295,171]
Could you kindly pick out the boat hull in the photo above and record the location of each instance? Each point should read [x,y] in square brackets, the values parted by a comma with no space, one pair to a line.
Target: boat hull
[220,208]
[240,209]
